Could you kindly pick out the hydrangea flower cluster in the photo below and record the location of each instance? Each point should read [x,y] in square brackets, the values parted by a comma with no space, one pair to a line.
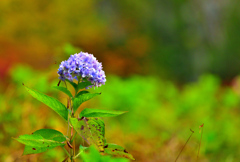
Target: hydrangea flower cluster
[82,65]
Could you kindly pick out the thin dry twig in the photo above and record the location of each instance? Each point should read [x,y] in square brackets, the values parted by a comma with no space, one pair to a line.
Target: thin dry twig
[201,126]
[184,145]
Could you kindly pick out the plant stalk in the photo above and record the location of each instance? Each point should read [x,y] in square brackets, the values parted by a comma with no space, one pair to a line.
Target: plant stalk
[71,141]
[184,145]
[201,126]
[71,147]
[65,151]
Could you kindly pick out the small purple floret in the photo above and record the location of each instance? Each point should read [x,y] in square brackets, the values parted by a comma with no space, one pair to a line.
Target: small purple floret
[82,65]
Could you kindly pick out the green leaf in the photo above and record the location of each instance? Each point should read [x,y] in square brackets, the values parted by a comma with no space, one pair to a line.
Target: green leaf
[73,84]
[53,103]
[80,85]
[80,127]
[64,90]
[92,130]
[49,134]
[82,148]
[82,98]
[93,155]
[35,141]
[116,150]
[83,85]
[81,93]
[115,146]
[36,150]
[100,113]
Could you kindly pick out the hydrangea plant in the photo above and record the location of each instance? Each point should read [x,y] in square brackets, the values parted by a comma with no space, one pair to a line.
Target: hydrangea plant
[89,125]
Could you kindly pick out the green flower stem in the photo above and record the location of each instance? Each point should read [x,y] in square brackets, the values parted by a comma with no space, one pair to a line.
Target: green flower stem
[71,141]
[70,106]
[77,155]
[65,151]
[73,137]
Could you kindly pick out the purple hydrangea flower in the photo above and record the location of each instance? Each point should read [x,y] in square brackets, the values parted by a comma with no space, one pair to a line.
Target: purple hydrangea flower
[82,65]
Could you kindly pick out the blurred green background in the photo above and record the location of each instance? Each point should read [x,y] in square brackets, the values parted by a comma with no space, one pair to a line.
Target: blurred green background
[173,65]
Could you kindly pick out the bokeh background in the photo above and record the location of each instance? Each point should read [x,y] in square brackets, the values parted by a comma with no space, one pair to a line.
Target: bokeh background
[173,65]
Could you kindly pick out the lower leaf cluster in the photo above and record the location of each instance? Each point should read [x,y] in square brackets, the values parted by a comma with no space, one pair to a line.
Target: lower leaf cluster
[89,125]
